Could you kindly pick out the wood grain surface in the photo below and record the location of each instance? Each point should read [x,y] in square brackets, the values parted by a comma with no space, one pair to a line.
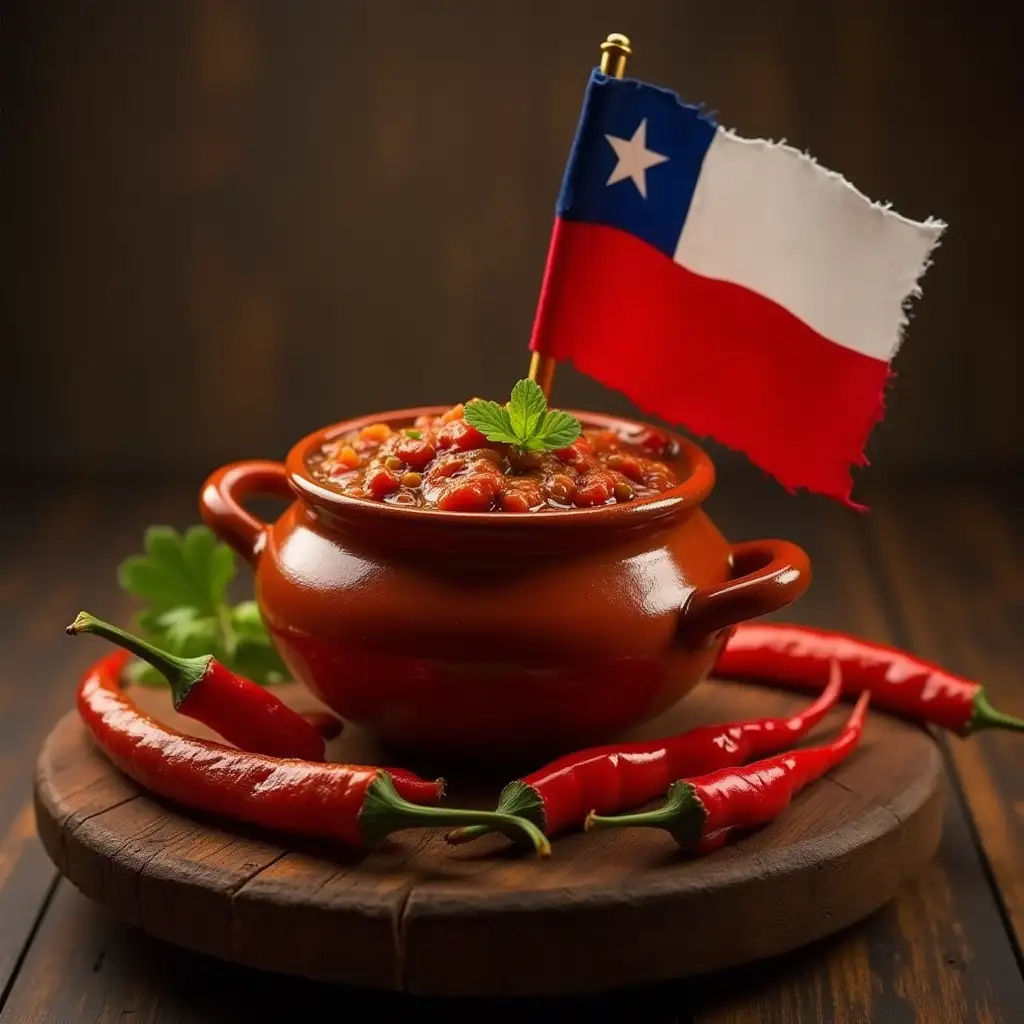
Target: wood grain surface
[968,560]
[941,952]
[255,200]
[428,919]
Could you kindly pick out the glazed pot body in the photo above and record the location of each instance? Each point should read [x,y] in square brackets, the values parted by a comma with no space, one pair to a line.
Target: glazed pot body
[495,635]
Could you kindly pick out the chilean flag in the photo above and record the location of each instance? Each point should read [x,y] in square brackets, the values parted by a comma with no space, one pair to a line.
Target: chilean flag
[728,284]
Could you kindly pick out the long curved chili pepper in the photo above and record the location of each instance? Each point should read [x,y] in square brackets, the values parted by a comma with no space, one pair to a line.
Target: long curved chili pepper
[796,655]
[247,715]
[620,776]
[359,805]
[702,813]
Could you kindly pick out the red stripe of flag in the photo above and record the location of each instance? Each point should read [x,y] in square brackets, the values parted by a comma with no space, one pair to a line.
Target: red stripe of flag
[712,355]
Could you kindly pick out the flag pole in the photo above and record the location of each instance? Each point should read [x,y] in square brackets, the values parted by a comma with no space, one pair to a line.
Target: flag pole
[614,51]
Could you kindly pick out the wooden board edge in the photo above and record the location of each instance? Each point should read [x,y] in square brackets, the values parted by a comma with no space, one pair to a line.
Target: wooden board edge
[899,852]
[439,939]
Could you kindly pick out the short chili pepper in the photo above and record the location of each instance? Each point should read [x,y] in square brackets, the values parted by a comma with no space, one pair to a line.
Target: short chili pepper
[329,726]
[244,713]
[702,813]
[794,656]
[359,805]
[620,776]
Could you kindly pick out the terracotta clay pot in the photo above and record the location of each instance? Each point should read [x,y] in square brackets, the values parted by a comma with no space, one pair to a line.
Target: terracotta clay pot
[491,634]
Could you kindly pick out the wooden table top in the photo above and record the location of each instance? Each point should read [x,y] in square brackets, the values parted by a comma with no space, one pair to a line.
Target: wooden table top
[936,569]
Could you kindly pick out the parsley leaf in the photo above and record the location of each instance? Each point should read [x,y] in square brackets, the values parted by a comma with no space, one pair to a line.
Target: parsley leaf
[188,633]
[525,421]
[246,620]
[183,580]
[259,661]
[191,570]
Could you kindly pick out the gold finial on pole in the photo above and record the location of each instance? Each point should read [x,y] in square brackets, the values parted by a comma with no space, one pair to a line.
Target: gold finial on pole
[614,51]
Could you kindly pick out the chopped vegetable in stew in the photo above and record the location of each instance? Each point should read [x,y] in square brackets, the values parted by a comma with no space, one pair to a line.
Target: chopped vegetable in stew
[443,462]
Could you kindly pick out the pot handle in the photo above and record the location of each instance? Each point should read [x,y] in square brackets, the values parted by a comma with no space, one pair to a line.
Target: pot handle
[768,576]
[220,503]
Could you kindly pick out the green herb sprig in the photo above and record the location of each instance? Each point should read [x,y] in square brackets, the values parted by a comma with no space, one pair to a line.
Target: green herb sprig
[183,580]
[524,421]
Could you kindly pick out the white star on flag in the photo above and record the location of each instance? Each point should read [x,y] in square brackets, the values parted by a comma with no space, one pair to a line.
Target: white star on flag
[634,158]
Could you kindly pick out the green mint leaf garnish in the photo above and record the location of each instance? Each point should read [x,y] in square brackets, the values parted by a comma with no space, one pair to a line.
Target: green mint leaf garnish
[525,421]
[183,580]
[492,421]
[527,408]
[414,434]
[559,429]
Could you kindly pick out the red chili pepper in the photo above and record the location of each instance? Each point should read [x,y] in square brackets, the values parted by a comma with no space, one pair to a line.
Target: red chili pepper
[245,714]
[702,813]
[325,723]
[796,655]
[360,805]
[620,776]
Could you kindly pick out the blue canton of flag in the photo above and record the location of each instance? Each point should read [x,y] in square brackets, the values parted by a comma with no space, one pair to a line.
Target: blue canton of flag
[647,144]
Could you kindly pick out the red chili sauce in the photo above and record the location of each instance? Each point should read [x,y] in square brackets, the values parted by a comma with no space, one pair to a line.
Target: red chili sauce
[443,462]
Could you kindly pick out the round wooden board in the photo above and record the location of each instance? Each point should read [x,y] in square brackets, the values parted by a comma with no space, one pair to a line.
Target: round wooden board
[608,910]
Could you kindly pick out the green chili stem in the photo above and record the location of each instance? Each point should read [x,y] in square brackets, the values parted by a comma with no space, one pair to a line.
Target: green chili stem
[682,815]
[181,673]
[384,812]
[517,798]
[984,716]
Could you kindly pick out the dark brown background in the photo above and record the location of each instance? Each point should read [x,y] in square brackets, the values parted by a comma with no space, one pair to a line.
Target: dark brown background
[230,221]
[226,222]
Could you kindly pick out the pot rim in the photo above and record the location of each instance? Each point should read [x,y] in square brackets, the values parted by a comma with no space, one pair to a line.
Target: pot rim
[689,493]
